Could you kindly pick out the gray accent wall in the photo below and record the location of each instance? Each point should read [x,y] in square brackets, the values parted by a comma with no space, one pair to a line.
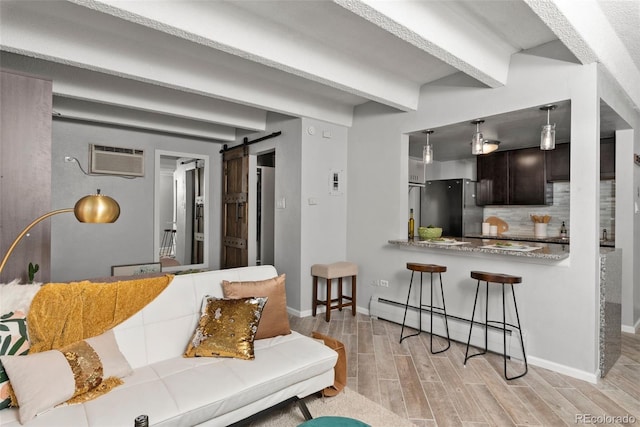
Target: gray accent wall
[80,251]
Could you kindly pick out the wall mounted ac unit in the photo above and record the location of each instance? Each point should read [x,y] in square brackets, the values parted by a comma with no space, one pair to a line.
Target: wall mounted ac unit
[116,160]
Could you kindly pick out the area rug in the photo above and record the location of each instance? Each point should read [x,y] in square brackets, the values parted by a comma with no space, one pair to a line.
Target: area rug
[346,404]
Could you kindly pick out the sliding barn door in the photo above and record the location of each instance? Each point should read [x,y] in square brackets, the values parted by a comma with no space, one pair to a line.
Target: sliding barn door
[235,197]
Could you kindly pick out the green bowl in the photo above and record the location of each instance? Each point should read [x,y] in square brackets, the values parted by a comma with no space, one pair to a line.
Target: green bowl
[429,232]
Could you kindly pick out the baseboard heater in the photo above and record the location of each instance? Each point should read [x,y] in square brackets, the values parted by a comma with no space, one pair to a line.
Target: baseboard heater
[428,310]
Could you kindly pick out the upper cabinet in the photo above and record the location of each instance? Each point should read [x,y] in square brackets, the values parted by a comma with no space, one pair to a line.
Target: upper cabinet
[559,163]
[521,177]
[527,177]
[493,175]
[515,177]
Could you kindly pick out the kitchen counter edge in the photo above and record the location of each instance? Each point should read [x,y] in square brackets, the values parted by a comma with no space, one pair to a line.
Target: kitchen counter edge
[549,251]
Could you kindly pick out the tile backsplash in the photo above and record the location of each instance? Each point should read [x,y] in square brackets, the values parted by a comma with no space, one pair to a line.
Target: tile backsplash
[519,219]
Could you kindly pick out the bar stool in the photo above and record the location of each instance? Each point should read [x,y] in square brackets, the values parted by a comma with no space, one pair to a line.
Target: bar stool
[499,279]
[337,270]
[431,269]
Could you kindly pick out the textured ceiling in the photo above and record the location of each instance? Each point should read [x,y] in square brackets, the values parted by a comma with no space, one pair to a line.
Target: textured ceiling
[214,69]
[624,17]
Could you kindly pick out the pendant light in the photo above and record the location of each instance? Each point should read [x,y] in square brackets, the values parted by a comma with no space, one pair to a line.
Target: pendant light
[477,141]
[427,151]
[548,134]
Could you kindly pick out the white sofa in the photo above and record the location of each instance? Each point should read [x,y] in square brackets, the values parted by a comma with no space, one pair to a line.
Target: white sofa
[177,391]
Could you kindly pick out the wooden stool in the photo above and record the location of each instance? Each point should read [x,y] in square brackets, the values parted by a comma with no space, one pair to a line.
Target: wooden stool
[500,279]
[337,270]
[427,268]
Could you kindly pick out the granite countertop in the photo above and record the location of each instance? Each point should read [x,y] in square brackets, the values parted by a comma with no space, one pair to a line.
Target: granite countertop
[538,250]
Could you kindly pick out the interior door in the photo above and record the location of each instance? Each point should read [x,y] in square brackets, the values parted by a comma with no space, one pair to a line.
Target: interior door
[235,197]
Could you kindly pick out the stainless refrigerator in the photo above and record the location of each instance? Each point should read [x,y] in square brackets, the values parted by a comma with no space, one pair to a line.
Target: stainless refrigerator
[451,204]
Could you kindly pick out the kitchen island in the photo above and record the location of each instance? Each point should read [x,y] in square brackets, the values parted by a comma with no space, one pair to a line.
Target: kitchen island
[536,250]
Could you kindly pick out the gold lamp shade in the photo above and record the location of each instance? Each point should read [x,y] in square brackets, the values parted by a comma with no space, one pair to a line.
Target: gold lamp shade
[97,208]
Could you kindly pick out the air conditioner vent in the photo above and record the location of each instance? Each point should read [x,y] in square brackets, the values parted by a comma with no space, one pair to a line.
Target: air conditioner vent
[116,160]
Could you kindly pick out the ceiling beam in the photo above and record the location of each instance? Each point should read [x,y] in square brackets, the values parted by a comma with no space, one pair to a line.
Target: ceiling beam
[225,27]
[441,29]
[78,83]
[69,108]
[68,34]
[583,28]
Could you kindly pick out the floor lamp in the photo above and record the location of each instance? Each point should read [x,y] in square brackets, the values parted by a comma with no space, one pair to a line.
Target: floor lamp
[95,208]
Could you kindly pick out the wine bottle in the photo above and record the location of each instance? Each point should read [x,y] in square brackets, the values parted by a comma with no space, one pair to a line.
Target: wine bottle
[563,230]
[411,224]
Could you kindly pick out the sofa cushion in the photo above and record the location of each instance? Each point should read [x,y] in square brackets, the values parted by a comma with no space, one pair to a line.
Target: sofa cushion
[226,328]
[275,320]
[13,341]
[163,328]
[44,380]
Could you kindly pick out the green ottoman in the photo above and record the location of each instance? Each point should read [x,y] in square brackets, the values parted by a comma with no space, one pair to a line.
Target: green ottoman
[333,422]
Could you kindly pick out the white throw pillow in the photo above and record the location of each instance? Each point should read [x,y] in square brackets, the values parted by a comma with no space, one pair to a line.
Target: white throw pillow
[43,380]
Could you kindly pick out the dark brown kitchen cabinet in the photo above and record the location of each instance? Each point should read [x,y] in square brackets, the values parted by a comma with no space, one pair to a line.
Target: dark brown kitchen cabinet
[559,163]
[493,174]
[527,177]
[608,158]
[515,177]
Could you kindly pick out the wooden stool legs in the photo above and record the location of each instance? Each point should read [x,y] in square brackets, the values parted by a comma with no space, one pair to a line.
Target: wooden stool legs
[328,303]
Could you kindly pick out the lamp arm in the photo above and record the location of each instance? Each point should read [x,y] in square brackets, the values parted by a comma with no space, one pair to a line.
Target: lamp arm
[26,230]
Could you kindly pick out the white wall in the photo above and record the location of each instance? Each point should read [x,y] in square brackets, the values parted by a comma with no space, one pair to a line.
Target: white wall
[627,197]
[558,300]
[305,233]
[324,215]
[80,251]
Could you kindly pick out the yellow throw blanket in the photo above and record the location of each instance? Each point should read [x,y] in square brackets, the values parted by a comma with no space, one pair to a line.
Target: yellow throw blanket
[65,313]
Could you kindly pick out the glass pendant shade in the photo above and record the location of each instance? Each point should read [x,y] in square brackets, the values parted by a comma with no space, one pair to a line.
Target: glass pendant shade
[548,134]
[477,141]
[427,154]
[548,137]
[427,151]
[477,144]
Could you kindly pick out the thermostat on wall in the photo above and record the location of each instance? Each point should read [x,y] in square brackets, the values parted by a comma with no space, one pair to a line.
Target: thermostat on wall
[336,184]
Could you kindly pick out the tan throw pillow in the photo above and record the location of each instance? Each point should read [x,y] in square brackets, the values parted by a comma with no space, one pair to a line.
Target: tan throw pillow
[77,372]
[226,328]
[275,320]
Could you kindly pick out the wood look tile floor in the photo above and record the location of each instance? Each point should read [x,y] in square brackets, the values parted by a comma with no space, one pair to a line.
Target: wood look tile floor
[437,390]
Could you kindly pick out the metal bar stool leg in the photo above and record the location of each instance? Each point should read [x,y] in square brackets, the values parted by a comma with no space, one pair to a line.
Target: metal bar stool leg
[524,354]
[473,315]
[406,307]
[475,301]
[446,323]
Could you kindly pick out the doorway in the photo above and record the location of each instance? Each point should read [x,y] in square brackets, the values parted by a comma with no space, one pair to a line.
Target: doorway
[265,208]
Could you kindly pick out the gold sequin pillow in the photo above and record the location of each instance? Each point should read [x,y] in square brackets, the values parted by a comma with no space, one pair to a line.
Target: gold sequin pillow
[226,328]
[75,373]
